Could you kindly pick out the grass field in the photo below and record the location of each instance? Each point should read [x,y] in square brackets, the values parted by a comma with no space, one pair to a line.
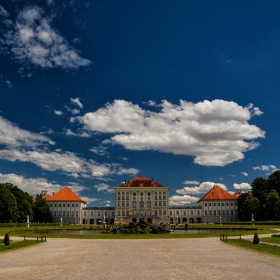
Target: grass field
[247,244]
[229,230]
[16,245]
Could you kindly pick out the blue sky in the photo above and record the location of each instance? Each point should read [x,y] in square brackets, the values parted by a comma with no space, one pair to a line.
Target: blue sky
[93,93]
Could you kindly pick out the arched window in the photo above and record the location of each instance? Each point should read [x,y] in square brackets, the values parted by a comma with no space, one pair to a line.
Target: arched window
[149,204]
[134,204]
[149,212]
[141,204]
[134,213]
[142,212]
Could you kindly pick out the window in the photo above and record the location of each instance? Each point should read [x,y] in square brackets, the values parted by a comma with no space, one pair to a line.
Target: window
[164,213]
[214,204]
[177,212]
[184,212]
[155,203]
[227,212]
[155,212]
[231,204]
[134,204]
[63,205]
[76,205]
[170,213]
[210,213]
[134,193]
[127,213]
[236,204]
[67,213]
[98,213]
[63,213]
[205,204]
[122,203]
[148,204]
[205,213]
[119,198]
[68,205]
[160,203]
[160,212]
[127,198]
[119,213]
[54,213]
[112,213]
[223,212]
[77,214]
[123,212]
[72,214]
[141,193]
[191,212]
[210,204]
[223,204]
[72,205]
[227,204]
[55,205]
[59,213]
[164,203]
[59,205]
[231,212]
[85,213]
[219,212]
[91,213]
[215,213]
[50,205]
[105,213]
[149,193]
[141,204]
[127,204]
[219,204]
[198,212]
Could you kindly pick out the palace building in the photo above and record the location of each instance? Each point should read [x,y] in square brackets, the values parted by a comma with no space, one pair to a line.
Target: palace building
[144,199]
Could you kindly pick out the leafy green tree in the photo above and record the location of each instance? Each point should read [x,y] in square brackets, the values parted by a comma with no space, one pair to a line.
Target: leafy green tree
[274,181]
[41,210]
[240,201]
[251,206]
[24,203]
[270,205]
[8,205]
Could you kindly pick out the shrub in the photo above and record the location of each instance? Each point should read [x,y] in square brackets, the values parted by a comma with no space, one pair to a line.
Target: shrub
[7,239]
[256,238]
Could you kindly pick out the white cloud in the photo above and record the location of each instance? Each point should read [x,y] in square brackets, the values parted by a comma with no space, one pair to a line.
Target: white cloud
[33,41]
[3,12]
[89,200]
[57,112]
[103,187]
[269,168]
[182,200]
[202,188]
[73,111]
[244,173]
[9,84]
[13,136]
[77,102]
[215,132]
[100,150]
[123,170]
[36,185]
[83,134]
[242,186]
[190,183]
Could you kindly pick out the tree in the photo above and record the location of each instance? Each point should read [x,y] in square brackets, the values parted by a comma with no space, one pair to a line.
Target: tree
[274,181]
[41,210]
[240,201]
[8,205]
[256,239]
[7,239]
[251,206]
[24,203]
[270,205]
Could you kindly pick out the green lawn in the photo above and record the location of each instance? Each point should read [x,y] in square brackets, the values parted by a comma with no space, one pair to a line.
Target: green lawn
[16,245]
[247,244]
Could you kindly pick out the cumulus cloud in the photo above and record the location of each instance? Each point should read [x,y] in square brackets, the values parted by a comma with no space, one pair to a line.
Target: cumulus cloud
[57,112]
[190,183]
[77,102]
[103,187]
[269,168]
[89,200]
[36,185]
[179,200]
[3,12]
[244,173]
[202,188]
[73,111]
[215,132]
[242,186]
[83,134]
[100,150]
[13,136]
[9,84]
[32,40]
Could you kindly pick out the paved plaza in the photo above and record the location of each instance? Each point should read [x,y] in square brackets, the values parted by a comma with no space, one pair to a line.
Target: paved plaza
[197,258]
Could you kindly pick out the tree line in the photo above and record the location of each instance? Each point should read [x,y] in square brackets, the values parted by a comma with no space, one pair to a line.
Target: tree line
[16,204]
[263,200]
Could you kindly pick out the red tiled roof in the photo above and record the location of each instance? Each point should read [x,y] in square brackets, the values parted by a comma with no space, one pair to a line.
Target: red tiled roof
[45,196]
[236,195]
[65,194]
[141,182]
[217,193]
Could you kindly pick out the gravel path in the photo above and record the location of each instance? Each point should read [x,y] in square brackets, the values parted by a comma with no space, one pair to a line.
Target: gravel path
[198,258]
